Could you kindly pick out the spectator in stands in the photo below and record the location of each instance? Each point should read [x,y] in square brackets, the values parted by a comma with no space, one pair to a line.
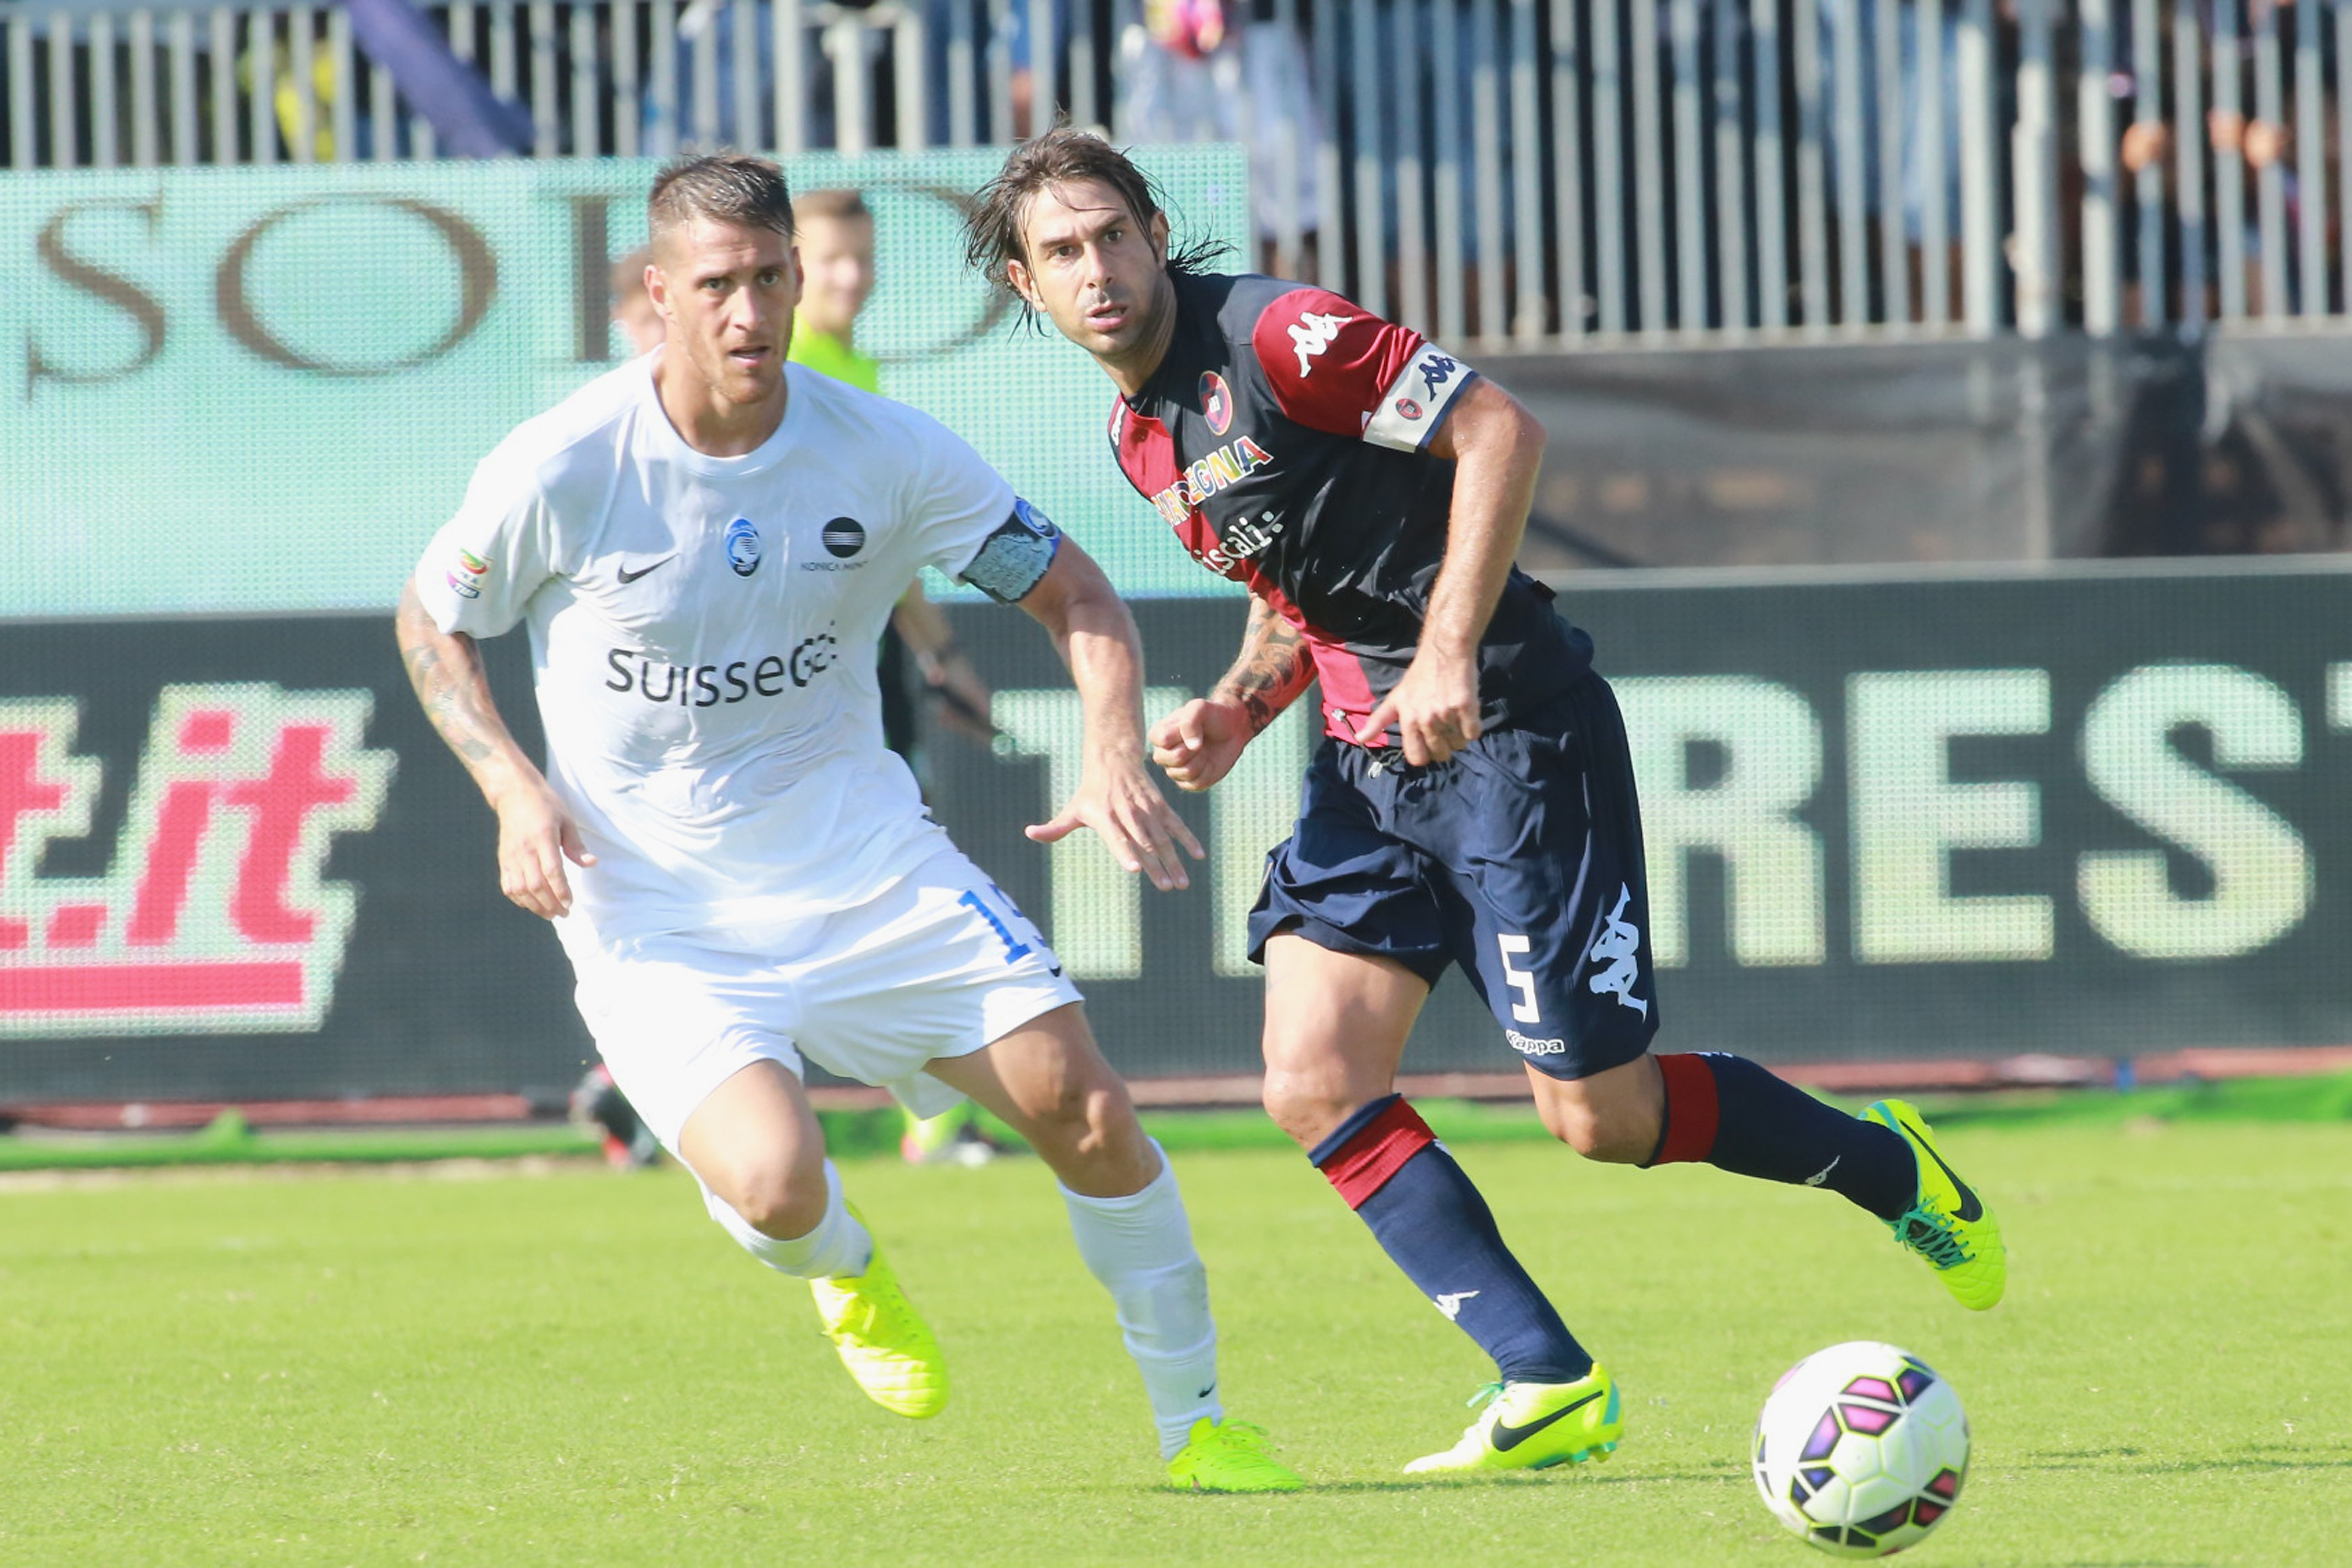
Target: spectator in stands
[2260,146]
[1206,71]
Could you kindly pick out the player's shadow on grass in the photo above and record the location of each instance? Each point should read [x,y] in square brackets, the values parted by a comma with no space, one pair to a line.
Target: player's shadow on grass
[1556,1477]
[2271,1458]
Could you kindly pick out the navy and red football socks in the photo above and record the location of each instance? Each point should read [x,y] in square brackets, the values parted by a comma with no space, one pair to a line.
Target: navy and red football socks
[1734,1115]
[1432,1221]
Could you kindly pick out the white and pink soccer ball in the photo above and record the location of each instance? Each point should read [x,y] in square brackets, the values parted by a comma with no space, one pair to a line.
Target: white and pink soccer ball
[1860,1449]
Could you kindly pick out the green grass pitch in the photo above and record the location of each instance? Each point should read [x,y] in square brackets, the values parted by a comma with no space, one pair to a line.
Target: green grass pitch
[569,1367]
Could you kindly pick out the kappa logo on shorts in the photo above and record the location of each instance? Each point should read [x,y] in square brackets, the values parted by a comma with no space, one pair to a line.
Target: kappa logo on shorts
[1617,945]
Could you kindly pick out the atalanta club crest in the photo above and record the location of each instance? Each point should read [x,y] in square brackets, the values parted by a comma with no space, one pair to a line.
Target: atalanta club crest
[1216,402]
[742,547]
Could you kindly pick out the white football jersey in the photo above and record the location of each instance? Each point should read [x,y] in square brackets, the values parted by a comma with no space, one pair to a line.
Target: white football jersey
[703,634]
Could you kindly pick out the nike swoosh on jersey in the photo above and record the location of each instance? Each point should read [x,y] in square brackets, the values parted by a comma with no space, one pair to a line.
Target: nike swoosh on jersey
[1507,1437]
[1970,1209]
[628,576]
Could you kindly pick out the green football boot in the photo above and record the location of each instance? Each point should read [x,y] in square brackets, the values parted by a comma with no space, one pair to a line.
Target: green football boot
[1228,1456]
[883,1342]
[1948,1223]
[1535,1425]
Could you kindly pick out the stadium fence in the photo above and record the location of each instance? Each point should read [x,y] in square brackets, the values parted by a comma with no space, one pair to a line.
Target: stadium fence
[1536,172]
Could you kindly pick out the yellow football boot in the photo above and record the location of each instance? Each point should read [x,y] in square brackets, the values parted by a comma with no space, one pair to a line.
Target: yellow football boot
[883,1342]
[1228,1456]
[1535,1425]
[1947,1223]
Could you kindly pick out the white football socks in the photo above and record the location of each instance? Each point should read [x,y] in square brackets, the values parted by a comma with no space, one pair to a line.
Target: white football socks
[1141,1248]
[837,1247]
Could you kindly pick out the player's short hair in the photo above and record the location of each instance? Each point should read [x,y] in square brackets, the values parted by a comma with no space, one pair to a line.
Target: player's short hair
[724,187]
[992,228]
[839,203]
[628,276]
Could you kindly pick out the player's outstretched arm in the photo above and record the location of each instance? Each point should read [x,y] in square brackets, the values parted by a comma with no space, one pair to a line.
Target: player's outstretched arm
[1199,744]
[1499,447]
[535,834]
[1096,638]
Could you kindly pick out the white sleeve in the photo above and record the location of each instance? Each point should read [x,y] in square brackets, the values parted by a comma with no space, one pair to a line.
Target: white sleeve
[956,502]
[483,566]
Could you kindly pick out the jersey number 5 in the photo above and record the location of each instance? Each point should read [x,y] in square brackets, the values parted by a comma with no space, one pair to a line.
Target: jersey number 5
[1525,1009]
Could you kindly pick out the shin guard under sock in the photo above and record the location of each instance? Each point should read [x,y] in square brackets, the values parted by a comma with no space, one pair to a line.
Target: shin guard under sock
[1434,1223]
[1731,1113]
[1140,1248]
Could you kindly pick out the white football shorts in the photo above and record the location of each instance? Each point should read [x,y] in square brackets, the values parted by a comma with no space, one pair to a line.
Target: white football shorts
[939,964]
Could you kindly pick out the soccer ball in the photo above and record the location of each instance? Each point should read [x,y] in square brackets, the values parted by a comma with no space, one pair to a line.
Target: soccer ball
[1861,1449]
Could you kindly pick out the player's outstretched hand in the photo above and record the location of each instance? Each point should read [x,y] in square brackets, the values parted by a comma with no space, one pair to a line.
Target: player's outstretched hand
[1434,708]
[1134,821]
[536,836]
[1199,744]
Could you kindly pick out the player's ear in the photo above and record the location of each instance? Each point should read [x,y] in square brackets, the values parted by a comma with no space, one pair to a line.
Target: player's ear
[657,290]
[1159,235]
[1016,272]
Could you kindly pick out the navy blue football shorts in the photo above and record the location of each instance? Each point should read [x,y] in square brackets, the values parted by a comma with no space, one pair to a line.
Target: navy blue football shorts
[1519,858]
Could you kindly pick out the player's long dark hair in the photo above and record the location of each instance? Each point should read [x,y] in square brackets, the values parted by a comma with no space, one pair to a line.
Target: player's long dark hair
[992,228]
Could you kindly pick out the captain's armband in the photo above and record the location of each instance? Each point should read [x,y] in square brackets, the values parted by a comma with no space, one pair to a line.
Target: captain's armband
[1418,400]
[1015,558]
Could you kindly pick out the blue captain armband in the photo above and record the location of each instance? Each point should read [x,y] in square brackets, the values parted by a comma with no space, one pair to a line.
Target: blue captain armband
[1015,558]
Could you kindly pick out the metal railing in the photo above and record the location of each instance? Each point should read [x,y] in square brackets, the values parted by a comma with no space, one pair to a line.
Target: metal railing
[1531,171]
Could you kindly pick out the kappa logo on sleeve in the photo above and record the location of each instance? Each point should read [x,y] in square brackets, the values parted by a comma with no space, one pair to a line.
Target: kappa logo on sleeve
[1312,334]
[213,917]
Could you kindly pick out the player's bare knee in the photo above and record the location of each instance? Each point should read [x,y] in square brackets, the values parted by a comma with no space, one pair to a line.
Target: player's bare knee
[777,1201]
[1082,1121]
[1607,1133]
[1303,1107]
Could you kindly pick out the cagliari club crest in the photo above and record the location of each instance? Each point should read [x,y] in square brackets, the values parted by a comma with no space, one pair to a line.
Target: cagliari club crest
[213,916]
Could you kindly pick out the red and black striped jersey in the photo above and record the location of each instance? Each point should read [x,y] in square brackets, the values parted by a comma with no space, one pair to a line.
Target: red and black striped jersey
[1284,438]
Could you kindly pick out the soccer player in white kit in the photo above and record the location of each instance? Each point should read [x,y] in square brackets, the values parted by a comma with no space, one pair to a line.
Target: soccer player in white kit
[705,544]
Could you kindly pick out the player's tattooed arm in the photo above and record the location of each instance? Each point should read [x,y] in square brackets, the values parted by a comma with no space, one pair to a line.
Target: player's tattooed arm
[1273,668]
[536,834]
[444,669]
[1199,744]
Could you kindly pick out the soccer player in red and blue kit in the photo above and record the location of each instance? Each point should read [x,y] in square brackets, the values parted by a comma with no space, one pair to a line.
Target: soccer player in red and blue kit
[1474,801]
